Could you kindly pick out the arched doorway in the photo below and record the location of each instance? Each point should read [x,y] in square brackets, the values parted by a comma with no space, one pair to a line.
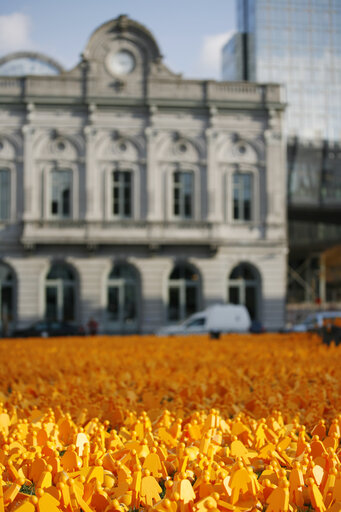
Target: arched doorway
[60,293]
[244,288]
[183,292]
[6,299]
[122,299]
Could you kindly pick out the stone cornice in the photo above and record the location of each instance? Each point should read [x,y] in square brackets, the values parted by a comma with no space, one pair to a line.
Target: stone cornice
[69,90]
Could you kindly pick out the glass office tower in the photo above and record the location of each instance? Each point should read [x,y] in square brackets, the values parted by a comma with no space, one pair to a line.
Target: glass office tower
[297,43]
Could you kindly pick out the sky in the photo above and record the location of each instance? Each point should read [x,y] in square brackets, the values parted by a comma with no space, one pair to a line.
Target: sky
[190,33]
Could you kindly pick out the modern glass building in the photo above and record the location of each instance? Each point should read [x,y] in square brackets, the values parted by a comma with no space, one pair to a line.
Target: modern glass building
[297,43]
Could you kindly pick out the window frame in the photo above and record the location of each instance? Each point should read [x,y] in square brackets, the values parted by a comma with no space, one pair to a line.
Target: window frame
[197,322]
[59,285]
[168,192]
[181,284]
[242,284]
[107,189]
[228,188]
[47,170]
[241,188]
[120,283]
[180,186]
[61,216]
[121,194]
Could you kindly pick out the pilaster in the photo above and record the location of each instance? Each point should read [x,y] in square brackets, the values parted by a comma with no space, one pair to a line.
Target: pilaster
[31,185]
[153,175]
[214,195]
[92,176]
[276,183]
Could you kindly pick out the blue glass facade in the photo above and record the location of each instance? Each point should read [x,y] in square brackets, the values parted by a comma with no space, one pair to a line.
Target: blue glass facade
[297,43]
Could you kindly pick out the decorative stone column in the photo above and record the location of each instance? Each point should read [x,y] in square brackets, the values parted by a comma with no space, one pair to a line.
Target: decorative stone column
[93,183]
[31,185]
[153,176]
[214,186]
[276,173]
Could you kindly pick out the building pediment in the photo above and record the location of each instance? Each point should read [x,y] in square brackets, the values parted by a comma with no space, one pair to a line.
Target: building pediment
[121,31]
[120,55]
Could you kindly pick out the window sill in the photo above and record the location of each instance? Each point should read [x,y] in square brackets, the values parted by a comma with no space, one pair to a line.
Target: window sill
[237,222]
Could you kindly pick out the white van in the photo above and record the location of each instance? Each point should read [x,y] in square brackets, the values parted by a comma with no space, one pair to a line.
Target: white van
[215,320]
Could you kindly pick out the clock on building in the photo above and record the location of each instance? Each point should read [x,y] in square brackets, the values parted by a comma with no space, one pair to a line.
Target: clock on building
[121,62]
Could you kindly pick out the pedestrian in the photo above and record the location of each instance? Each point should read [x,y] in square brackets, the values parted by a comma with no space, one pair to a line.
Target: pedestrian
[92,326]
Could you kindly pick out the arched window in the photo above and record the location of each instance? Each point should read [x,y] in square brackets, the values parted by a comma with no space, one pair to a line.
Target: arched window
[6,298]
[183,292]
[244,288]
[122,299]
[60,293]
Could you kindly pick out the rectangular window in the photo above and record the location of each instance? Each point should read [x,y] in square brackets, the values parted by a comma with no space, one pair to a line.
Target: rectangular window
[183,195]
[61,192]
[242,196]
[122,194]
[5,194]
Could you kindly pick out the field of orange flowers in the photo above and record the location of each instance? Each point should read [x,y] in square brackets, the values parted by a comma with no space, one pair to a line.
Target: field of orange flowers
[242,423]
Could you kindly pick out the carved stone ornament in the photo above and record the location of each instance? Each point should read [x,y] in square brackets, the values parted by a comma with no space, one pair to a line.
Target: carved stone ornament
[8,149]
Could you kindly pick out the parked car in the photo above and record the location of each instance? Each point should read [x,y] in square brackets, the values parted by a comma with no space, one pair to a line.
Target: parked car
[220,318]
[317,320]
[257,327]
[45,329]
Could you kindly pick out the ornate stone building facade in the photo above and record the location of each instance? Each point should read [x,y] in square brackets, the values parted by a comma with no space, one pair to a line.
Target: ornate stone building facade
[136,197]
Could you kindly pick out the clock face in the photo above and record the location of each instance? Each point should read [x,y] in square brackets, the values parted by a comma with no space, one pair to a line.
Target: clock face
[121,62]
